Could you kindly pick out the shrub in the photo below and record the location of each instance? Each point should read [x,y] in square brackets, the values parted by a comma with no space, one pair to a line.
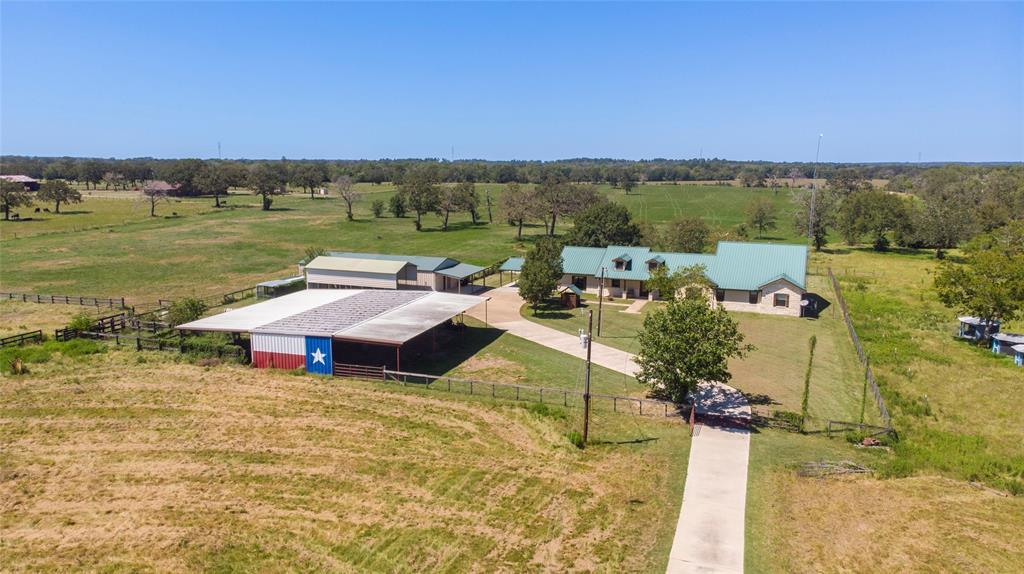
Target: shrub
[185,310]
[575,438]
[81,322]
[377,207]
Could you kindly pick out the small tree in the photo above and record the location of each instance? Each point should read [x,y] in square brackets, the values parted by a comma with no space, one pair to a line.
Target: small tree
[541,271]
[214,179]
[155,192]
[604,224]
[267,180]
[990,283]
[185,311]
[686,235]
[58,191]
[815,216]
[684,343]
[377,207]
[348,193]
[692,280]
[516,204]
[396,205]
[13,195]
[761,214]
[420,190]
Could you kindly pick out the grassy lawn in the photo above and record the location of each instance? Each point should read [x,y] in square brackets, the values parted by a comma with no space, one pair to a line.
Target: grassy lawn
[773,374]
[126,461]
[109,246]
[958,407]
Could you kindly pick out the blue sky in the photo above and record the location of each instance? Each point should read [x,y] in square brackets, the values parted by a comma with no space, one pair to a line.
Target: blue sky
[883,82]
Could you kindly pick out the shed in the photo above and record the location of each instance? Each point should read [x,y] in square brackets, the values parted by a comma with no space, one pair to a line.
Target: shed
[278,287]
[456,276]
[977,329]
[513,265]
[571,296]
[1018,355]
[326,272]
[31,184]
[1004,342]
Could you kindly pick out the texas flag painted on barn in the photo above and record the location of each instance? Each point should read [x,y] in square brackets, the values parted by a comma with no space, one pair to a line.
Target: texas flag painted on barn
[318,355]
[292,352]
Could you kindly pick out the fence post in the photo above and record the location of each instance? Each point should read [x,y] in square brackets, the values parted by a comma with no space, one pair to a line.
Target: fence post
[138,343]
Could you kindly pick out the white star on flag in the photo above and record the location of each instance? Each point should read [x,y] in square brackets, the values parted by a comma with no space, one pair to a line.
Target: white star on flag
[318,357]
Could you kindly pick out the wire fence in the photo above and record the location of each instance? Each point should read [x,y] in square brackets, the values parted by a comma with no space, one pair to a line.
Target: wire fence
[22,338]
[869,375]
[529,393]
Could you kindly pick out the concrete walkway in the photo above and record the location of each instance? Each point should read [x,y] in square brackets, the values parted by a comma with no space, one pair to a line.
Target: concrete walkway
[503,313]
[709,533]
[636,306]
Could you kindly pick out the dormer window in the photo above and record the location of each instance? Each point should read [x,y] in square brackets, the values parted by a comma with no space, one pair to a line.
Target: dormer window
[623,263]
[655,262]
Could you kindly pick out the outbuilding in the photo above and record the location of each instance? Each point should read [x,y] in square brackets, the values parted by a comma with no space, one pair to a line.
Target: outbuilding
[977,329]
[31,184]
[327,272]
[1003,343]
[324,330]
[1018,355]
[571,296]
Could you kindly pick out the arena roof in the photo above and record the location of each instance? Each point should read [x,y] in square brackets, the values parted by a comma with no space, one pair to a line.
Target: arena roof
[371,315]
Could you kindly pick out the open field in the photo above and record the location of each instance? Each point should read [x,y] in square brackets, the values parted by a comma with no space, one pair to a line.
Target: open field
[18,317]
[862,524]
[111,247]
[110,463]
[957,406]
[772,375]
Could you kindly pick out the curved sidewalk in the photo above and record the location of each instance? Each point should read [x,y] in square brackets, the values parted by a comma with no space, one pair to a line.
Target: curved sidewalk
[709,533]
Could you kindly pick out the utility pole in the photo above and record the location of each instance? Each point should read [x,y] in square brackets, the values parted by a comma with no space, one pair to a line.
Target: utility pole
[600,302]
[814,191]
[586,384]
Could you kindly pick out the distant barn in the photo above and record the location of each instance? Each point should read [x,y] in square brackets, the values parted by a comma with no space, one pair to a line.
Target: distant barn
[29,183]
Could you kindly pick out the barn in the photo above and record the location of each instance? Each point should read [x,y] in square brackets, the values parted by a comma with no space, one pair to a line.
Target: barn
[322,330]
[327,272]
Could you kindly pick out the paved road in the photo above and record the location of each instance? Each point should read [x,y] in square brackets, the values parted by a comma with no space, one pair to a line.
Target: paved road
[709,534]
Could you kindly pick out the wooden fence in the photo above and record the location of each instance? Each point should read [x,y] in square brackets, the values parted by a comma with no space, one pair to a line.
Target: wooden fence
[869,375]
[113,303]
[108,324]
[217,300]
[22,338]
[153,344]
[511,391]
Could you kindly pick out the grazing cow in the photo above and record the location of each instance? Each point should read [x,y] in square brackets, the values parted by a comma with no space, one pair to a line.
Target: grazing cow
[46,209]
[37,210]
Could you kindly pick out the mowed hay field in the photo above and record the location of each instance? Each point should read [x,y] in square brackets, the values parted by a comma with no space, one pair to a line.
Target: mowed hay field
[119,463]
[111,247]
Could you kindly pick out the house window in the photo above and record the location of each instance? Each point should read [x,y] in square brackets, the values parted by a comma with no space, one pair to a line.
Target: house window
[781,300]
[753,297]
[719,295]
[620,264]
[615,283]
[652,265]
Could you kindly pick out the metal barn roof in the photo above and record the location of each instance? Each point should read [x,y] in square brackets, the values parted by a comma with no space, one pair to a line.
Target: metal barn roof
[325,262]
[512,264]
[248,318]
[281,282]
[460,271]
[423,263]
[1018,348]
[372,315]
[1014,338]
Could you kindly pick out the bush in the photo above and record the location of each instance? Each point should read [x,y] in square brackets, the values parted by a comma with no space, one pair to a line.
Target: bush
[185,310]
[81,322]
[377,207]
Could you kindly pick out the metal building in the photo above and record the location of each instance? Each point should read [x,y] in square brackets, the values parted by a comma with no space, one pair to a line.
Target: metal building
[327,272]
[318,329]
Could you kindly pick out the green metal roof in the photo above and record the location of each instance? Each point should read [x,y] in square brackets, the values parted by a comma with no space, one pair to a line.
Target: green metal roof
[582,260]
[512,264]
[460,271]
[422,263]
[734,265]
[573,288]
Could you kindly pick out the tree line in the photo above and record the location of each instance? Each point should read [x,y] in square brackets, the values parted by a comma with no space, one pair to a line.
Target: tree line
[114,173]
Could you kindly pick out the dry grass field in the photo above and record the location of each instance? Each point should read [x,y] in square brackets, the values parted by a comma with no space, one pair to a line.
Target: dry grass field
[18,317]
[129,462]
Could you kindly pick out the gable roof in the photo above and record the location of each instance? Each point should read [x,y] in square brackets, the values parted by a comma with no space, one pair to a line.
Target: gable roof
[422,263]
[460,271]
[512,264]
[734,265]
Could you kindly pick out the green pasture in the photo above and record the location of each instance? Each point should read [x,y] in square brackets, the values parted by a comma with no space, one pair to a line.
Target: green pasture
[108,245]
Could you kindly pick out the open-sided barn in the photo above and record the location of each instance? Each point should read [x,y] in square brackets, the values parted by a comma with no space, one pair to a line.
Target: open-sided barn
[319,328]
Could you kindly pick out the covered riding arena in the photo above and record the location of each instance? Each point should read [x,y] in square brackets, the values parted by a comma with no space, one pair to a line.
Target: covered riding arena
[322,330]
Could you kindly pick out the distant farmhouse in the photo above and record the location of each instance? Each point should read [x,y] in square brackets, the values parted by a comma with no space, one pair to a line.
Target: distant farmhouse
[29,183]
[340,270]
[757,277]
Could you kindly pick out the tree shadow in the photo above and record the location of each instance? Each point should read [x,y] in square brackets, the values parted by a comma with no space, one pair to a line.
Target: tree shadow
[74,212]
[760,399]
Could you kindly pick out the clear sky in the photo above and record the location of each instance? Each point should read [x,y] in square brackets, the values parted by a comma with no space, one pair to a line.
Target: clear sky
[883,82]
